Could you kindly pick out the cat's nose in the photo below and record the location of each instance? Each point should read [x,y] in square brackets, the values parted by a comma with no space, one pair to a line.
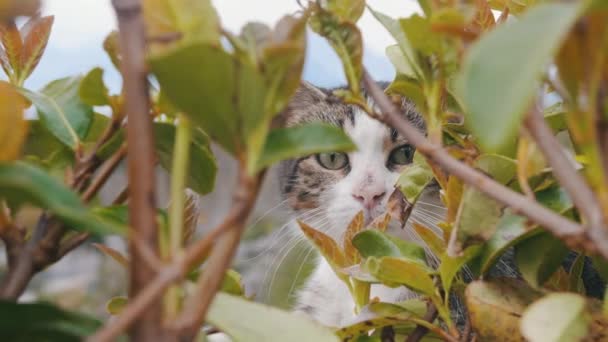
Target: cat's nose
[369,198]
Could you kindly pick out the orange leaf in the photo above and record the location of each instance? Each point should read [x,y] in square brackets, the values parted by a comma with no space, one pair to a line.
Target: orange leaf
[354,227]
[13,126]
[381,222]
[326,245]
[431,239]
[36,33]
[112,253]
[13,45]
[484,19]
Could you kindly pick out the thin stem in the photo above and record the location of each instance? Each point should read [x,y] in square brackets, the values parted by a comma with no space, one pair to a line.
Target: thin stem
[179,174]
[193,315]
[104,173]
[582,195]
[569,231]
[176,270]
[141,161]
[421,330]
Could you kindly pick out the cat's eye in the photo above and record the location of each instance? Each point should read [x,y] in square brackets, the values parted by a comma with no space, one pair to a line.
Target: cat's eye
[401,155]
[333,160]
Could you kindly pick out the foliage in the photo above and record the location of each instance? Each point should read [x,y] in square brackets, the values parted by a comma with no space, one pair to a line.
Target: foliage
[478,82]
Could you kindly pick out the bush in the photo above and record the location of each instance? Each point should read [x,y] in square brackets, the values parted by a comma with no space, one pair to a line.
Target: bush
[515,173]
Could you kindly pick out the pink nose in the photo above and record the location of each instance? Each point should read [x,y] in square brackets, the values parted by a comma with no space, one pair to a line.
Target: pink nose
[369,198]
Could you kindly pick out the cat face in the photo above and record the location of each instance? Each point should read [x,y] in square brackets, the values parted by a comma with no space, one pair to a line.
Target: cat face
[342,184]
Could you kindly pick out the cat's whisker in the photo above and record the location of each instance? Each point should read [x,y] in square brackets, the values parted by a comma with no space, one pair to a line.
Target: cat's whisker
[293,284]
[284,252]
[429,212]
[431,205]
[285,231]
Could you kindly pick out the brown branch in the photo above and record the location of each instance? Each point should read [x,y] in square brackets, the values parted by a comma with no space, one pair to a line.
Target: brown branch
[420,331]
[387,334]
[25,261]
[177,270]
[104,172]
[141,174]
[581,194]
[209,283]
[569,231]
[122,197]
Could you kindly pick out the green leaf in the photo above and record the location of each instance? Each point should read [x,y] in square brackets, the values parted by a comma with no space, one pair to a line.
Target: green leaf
[115,305]
[449,266]
[345,38]
[395,55]
[420,35]
[43,322]
[92,89]
[478,214]
[512,229]
[500,75]
[299,141]
[44,149]
[202,165]
[409,88]
[414,179]
[61,111]
[208,96]
[233,284]
[346,10]
[20,182]
[192,20]
[495,307]
[398,271]
[373,243]
[248,321]
[576,283]
[539,256]
[557,317]
[395,29]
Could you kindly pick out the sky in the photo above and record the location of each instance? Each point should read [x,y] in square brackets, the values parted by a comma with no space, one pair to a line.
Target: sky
[75,45]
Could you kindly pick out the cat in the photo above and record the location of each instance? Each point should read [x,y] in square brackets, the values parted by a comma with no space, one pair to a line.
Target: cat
[340,185]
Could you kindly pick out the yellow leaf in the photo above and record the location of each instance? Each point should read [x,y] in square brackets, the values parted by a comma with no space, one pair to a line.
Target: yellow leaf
[431,239]
[354,227]
[112,253]
[381,222]
[13,129]
[326,245]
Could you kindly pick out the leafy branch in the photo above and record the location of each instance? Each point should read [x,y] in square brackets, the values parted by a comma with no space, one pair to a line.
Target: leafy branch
[572,232]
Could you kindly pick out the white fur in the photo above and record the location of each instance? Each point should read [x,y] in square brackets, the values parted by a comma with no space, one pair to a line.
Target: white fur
[324,291]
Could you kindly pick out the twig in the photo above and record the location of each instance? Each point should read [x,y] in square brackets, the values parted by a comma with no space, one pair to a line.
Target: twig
[140,143]
[122,197]
[175,271]
[105,171]
[581,194]
[193,315]
[420,331]
[569,231]
[25,265]
[387,334]
[72,243]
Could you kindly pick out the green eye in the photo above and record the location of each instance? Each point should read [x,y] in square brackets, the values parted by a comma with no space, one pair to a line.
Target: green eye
[401,155]
[333,160]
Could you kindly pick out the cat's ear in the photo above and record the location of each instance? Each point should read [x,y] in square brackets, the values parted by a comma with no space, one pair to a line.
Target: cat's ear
[306,95]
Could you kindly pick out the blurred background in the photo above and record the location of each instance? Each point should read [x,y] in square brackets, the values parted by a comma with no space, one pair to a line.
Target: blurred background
[270,259]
